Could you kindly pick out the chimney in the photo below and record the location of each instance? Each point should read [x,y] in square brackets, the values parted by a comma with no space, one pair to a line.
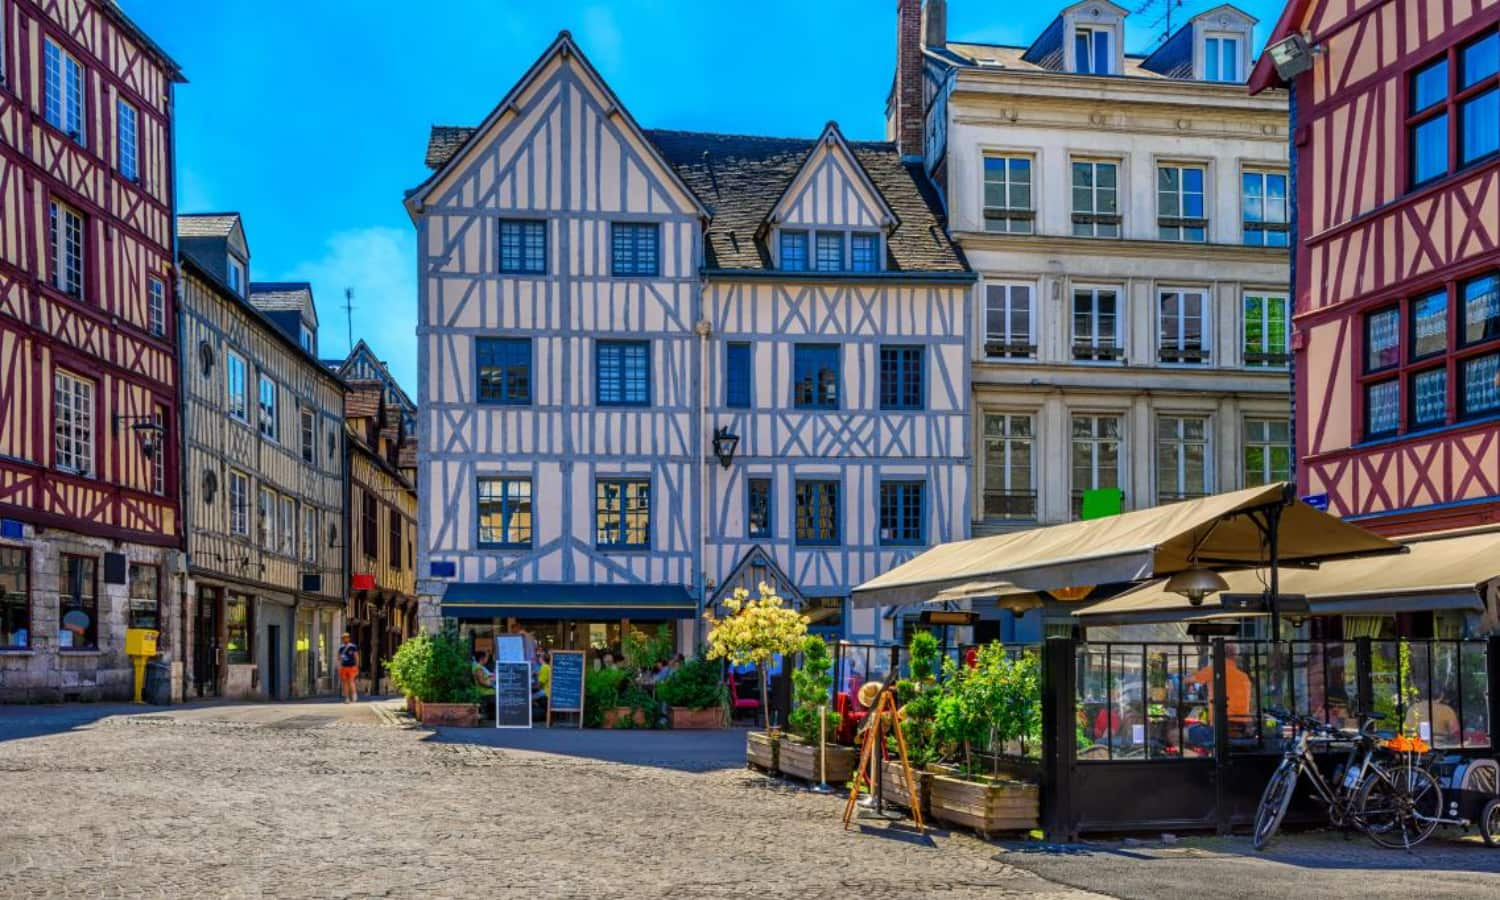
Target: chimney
[908,106]
[935,24]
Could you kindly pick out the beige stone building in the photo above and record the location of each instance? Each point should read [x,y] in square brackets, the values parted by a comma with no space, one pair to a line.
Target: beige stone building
[1127,215]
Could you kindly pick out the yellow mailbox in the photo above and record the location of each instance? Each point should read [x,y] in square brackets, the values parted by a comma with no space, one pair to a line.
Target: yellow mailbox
[140,645]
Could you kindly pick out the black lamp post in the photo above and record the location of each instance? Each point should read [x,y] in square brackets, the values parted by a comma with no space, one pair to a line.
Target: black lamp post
[725,443]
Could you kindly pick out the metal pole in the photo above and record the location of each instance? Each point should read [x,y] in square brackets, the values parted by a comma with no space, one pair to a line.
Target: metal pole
[822,787]
[1273,534]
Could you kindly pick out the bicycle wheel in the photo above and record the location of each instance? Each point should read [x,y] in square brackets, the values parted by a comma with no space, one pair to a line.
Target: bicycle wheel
[1399,808]
[1489,823]
[1274,801]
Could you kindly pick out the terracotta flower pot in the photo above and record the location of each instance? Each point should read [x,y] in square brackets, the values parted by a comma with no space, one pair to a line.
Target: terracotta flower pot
[683,717]
[411,704]
[614,716]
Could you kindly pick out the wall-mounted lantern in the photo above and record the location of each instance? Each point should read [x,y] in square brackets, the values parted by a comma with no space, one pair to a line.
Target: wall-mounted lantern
[725,443]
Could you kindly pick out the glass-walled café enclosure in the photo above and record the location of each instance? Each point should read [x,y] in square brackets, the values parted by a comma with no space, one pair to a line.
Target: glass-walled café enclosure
[596,637]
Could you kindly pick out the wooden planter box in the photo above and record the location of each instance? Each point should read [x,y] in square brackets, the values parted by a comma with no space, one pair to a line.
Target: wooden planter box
[683,717]
[761,750]
[463,715]
[986,807]
[893,786]
[800,760]
[614,716]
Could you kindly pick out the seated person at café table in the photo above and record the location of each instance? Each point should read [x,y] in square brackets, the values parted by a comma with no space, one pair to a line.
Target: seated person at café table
[482,676]
[1237,693]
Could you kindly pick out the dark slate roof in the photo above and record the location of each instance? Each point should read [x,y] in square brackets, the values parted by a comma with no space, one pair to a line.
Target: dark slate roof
[748,176]
[280,295]
[444,142]
[741,177]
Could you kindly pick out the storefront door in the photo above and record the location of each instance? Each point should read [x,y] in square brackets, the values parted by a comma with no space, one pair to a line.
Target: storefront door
[206,647]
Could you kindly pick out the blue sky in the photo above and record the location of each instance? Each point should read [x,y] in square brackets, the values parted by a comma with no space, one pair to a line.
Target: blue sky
[310,117]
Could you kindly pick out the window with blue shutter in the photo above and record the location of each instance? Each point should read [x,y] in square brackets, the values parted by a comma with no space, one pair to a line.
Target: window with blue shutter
[737,375]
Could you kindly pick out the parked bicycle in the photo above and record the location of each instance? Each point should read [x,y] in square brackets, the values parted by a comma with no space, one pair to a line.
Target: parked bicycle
[1397,802]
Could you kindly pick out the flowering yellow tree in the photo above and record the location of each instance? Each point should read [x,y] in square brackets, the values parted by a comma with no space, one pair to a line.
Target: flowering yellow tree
[755,631]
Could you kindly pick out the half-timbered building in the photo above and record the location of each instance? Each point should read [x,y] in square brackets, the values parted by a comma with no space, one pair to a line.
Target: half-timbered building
[90,531]
[657,364]
[1396,164]
[363,365]
[1127,217]
[264,466]
[381,521]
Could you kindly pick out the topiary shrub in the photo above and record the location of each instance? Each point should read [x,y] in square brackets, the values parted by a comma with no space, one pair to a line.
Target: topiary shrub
[810,690]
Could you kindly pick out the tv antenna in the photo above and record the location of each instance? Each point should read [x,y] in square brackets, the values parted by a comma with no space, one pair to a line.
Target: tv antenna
[349,314]
[1163,19]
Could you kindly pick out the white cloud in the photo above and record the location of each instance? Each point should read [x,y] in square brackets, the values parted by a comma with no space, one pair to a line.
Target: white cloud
[379,264]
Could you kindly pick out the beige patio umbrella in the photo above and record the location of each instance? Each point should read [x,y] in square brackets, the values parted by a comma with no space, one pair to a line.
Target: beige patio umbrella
[1260,526]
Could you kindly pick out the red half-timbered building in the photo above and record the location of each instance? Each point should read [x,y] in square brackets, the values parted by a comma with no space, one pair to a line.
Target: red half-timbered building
[1396,162]
[89,509]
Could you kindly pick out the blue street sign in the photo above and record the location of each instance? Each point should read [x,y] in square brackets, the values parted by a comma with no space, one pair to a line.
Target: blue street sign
[1317,501]
[443,569]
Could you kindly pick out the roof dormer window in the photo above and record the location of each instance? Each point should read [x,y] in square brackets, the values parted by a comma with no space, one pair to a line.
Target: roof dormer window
[306,340]
[236,276]
[1221,58]
[1093,52]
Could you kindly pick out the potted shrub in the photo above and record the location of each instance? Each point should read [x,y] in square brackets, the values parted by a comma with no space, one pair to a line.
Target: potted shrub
[754,632]
[436,671]
[918,697]
[996,701]
[801,753]
[695,694]
[601,696]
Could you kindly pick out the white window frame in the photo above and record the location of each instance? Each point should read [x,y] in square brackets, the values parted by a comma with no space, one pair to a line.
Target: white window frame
[1011,218]
[307,420]
[1180,350]
[239,503]
[1180,443]
[1094,442]
[1182,166]
[265,517]
[1009,443]
[305,338]
[286,525]
[1008,344]
[64,101]
[266,406]
[159,453]
[73,423]
[156,306]
[1093,228]
[1113,353]
[1258,434]
[68,234]
[127,140]
[309,533]
[237,396]
[1235,41]
[1266,297]
[1286,208]
[1094,32]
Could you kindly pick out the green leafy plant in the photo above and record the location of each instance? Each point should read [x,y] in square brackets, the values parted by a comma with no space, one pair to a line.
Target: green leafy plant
[435,668]
[642,652]
[810,690]
[918,698]
[601,692]
[996,701]
[638,700]
[922,655]
[697,684]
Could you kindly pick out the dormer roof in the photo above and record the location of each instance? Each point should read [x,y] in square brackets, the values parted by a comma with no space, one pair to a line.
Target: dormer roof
[830,149]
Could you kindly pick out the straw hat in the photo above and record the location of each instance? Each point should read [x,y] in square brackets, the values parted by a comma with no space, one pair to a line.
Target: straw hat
[868,692]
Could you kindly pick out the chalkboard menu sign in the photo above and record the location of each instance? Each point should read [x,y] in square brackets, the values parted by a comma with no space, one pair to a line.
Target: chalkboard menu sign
[567,684]
[512,695]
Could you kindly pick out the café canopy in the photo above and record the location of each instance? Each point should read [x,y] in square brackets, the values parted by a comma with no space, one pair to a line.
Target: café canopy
[1248,528]
[1451,571]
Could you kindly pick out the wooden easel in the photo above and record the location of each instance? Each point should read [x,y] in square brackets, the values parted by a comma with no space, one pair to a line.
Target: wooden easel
[885,716]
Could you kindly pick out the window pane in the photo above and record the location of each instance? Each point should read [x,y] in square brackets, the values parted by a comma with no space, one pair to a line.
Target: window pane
[1480,60]
[1429,326]
[1383,340]
[737,375]
[1481,383]
[815,376]
[794,251]
[1479,126]
[830,252]
[1481,309]
[1429,149]
[1430,398]
[1429,86]
[1382,407]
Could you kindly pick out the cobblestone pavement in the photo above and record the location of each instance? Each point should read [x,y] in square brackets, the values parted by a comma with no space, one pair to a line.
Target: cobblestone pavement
[331,800]
[334,800]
